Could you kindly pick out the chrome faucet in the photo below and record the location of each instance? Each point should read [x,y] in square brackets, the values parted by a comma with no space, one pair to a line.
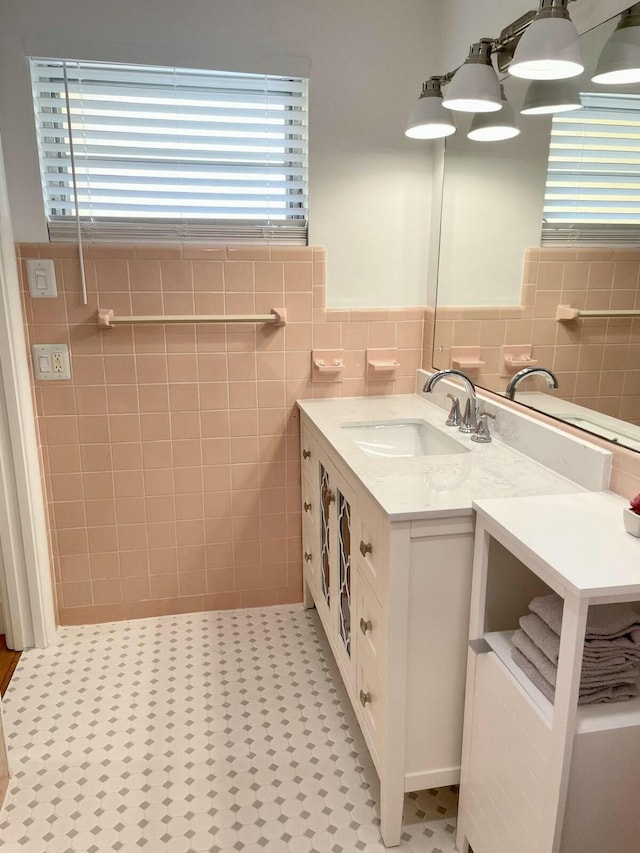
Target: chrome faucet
[552,382]
[470,417]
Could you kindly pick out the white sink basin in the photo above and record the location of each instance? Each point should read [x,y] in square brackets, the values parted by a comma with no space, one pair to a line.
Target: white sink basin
[399,438]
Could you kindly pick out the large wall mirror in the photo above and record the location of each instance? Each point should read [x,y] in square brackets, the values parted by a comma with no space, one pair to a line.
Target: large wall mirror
[502,276]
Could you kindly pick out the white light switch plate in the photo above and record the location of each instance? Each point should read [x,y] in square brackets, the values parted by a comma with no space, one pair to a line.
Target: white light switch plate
[51,362]
[42,279]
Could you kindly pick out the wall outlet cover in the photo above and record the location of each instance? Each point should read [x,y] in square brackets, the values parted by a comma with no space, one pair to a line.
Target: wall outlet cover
[51,362]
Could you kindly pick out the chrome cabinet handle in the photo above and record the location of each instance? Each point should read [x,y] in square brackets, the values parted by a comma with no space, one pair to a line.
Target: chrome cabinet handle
[365,548]
[306,454]
[364,698]
[330,496]
[306,506]
[365,625]
[307,557]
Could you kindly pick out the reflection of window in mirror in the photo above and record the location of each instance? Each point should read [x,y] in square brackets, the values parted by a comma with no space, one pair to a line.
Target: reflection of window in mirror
[593,175]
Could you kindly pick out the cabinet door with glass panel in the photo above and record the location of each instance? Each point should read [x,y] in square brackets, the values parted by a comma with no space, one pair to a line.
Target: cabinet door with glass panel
[327,550]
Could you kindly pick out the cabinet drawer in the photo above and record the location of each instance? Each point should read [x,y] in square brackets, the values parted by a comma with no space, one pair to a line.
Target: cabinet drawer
[309,455]
[372,548]
[369,626]
[309,500]
[310,548]
[371,703]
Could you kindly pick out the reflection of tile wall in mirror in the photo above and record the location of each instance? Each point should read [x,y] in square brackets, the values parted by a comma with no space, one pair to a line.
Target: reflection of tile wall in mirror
[596,360]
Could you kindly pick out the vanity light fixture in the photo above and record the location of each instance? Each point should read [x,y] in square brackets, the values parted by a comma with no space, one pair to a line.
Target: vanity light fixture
[429,119]
[475,87]
[548,49]
[547,97]
[494,127]
[619,61]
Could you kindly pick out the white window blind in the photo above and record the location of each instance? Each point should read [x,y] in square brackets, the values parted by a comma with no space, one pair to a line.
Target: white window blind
[593,180]
[167,153]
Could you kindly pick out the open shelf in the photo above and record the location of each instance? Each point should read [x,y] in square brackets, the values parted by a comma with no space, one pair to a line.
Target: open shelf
[591,718]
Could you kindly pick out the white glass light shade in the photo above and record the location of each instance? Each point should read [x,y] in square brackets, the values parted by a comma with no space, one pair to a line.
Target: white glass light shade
[545,97]
[548,50]
[474,89]
[429,119]
[619,61]
[494,127]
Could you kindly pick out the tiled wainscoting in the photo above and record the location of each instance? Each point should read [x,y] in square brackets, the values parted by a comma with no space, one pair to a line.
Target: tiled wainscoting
[597,361]
[171,457]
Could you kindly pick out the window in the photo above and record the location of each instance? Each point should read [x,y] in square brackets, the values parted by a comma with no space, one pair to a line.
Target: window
[593,180]
[170,153]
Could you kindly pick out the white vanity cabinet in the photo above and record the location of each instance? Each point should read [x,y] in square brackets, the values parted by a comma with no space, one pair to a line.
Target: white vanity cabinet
[542,777]
[393,597]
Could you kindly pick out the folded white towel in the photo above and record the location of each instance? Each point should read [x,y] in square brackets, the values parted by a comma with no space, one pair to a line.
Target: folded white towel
[604,621]
[612,693]
[601,676]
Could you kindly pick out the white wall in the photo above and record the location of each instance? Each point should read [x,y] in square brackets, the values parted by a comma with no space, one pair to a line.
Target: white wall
[370,187]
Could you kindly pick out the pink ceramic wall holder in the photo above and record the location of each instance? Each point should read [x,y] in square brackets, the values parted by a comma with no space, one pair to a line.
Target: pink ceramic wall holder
[466,358]
[382,364]
[566,312]
[515,357]
[327,365]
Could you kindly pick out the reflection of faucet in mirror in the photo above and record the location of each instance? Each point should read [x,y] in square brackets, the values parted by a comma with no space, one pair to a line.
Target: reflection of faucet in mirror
[470,417]
[552,382]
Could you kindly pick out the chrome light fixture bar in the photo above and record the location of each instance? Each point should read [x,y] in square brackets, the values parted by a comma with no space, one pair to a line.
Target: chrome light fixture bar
[548,49]
[619,61]
[429,119]
[495,127]
[475,87]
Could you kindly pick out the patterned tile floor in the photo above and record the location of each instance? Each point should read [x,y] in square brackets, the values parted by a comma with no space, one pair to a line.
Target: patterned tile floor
[226,731]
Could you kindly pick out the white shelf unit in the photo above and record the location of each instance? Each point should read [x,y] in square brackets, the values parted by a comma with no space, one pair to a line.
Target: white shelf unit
[537,776]
[589,718]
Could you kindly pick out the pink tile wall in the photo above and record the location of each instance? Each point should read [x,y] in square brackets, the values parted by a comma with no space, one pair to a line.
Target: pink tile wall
[171,459]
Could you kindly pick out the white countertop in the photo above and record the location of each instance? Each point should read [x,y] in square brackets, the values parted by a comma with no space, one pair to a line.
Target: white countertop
[429,486]
[579,538]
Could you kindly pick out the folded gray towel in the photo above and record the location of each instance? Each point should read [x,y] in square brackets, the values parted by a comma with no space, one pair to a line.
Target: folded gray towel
[604,621]
[612,693]
[596,652]
[599,677]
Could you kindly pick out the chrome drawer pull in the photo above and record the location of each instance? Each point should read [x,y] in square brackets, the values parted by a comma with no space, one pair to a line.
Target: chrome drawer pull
[306,506]
[365,548]
[306,454]
[307,557]
[364,698]
[365,625]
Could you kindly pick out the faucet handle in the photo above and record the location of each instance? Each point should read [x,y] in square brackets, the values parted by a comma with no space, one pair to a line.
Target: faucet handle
[482,433]
[455,418]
